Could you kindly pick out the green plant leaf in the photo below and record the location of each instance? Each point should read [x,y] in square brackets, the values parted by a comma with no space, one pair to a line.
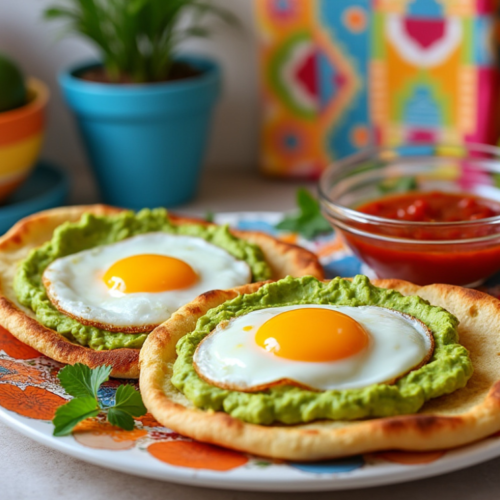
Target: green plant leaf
[129,400]
[308,222]
[196,31]
[121,419]
[135,6]
[74,412]
[138,39]
[80,381]
[57,12]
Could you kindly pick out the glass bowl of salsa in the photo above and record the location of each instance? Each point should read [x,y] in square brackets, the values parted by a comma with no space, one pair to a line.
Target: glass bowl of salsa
[421,213]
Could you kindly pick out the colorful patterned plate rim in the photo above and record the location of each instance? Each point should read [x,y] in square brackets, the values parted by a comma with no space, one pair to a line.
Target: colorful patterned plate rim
[30,394]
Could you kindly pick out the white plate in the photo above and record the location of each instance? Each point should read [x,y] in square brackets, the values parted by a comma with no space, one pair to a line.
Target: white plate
[30,392]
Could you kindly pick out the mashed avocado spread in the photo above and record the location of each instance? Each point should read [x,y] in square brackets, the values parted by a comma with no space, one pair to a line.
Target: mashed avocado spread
[92,231]
[449,369]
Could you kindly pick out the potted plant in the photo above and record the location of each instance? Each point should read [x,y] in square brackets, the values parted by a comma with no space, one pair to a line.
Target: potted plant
[143,110]
[22,123]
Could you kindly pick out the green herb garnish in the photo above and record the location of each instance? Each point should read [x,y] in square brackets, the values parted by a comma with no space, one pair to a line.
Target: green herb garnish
[398,185]
[209,216]
[309,222]
[82,383]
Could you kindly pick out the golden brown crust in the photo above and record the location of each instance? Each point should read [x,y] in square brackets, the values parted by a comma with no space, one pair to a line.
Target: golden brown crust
[37,229]
[465,416]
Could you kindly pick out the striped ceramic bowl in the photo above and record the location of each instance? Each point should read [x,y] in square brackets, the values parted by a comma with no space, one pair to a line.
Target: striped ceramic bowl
[21,136]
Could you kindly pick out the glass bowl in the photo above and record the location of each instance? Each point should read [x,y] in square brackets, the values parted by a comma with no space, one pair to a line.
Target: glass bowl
[459,253]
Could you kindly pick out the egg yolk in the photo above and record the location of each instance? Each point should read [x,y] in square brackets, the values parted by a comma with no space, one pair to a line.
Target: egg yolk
[149,273]
[312,335]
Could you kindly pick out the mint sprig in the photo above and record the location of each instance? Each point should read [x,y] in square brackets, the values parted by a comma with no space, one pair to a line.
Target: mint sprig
[128,404]
[80,381]
[83,383]
[74,412]
[309,221]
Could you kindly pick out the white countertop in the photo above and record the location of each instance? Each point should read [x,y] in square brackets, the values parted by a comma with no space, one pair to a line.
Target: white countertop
[29,470]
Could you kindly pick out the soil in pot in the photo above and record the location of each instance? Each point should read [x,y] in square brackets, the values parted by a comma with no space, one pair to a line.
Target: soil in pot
[179,71]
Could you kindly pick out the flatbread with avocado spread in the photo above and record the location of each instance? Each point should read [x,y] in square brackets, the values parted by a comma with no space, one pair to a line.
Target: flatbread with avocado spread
[38,240]
[465,406]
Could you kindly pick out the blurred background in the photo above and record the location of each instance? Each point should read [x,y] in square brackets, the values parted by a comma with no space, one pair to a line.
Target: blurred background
[303,83]
[34,44]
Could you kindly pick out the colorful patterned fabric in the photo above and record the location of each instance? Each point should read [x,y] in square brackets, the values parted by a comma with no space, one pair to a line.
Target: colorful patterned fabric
[338,75]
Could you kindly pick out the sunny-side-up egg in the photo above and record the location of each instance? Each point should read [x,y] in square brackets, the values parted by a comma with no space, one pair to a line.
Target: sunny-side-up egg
[138,283]
[314,346]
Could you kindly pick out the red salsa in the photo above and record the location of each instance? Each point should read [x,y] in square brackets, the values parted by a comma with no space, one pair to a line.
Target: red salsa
[445,259]
[434,206]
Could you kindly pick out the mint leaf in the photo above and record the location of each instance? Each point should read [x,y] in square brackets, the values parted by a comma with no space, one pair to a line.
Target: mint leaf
[309,222]
[83,383]
[99,376]
[129,400]
[307,203]
[80,381]
[315,227]
[121,419]
[128,404]
[72,413]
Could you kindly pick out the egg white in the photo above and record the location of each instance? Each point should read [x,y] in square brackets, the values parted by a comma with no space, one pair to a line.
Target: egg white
[75,285]
[230,358]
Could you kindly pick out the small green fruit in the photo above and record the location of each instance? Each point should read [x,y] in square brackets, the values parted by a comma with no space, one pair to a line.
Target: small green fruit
[13,92]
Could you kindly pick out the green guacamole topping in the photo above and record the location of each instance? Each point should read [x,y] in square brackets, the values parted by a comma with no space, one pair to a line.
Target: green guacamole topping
[92,231]
[449,369]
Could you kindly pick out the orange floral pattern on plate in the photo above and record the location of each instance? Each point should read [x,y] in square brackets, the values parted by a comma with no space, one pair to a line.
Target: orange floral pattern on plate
[17,373]
[15,348]
[411,458]
[148,421]
[197,455]
[104,436]
[33,402]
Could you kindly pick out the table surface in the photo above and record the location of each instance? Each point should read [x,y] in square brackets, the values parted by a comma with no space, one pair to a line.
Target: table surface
[30,470]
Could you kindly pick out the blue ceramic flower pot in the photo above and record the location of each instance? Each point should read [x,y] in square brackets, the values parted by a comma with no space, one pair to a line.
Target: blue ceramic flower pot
[146,143]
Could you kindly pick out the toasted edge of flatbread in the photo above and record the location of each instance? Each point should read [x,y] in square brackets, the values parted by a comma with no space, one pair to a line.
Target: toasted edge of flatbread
[33,231]
[465,416]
